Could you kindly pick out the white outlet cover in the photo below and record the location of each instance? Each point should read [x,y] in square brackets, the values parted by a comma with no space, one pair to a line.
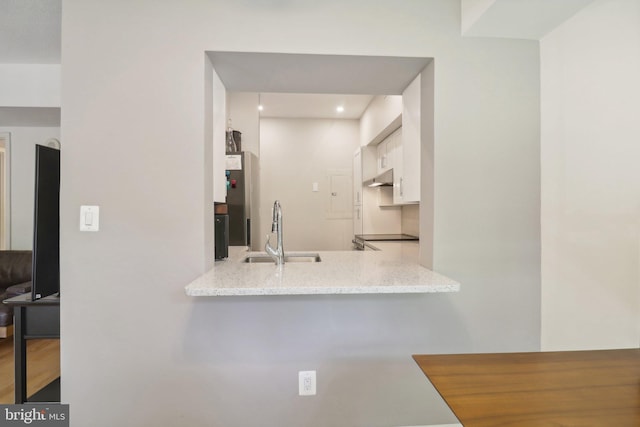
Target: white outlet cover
[307,383]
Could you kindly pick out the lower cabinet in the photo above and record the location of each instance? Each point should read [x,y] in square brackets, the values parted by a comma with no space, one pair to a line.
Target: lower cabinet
[357,220]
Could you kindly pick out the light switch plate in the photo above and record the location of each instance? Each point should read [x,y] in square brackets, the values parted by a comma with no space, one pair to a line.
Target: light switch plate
[89,218]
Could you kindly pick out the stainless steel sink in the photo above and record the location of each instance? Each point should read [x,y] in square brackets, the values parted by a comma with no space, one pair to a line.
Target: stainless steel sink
[263,258]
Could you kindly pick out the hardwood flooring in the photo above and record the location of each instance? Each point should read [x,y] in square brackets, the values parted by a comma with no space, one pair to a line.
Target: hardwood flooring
[43,366]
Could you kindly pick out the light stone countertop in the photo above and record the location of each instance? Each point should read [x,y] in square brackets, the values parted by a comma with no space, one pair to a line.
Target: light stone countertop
[386,271]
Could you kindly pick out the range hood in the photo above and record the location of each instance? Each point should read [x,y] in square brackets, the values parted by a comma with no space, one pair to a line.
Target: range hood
[385,179]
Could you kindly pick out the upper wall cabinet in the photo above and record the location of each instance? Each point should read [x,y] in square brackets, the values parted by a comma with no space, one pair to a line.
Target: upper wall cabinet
[398,168]
[411,142]
[392,126]
[382,117]
[384,156]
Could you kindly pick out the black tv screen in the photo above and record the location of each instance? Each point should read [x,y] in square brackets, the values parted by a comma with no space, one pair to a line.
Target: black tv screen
[46,224]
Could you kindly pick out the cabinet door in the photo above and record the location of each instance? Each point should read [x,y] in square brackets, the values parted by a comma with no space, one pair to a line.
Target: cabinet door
[398,171]
[381,155]
[357,178]
[357,220]
[411,142]
[393,143]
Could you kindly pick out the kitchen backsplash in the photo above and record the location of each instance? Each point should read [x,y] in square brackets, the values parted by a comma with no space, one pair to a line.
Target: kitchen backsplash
[411,220]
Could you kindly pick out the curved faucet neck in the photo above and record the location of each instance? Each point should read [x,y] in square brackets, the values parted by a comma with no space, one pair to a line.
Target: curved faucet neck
[276,253]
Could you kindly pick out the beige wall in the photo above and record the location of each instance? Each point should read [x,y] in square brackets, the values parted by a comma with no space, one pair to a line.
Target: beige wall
[294,154]
[591,180]
[133,132]
[23,143]
[244,117]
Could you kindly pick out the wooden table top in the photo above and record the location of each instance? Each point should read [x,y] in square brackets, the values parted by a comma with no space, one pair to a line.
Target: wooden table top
[569,388]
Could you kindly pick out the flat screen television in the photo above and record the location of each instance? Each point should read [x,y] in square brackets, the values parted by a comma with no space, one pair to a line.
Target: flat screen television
[45,274]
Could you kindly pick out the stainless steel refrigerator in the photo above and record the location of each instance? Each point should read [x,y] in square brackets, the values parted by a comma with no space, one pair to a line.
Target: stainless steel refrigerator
[242,197]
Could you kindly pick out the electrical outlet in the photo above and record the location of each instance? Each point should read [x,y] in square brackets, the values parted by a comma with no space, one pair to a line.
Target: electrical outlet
[307,383]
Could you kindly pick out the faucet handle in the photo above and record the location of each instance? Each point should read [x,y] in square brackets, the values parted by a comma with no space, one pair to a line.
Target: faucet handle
[267,246]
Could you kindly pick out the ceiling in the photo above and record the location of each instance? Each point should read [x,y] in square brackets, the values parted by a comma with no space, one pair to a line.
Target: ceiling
[293,85]
[312,86]
[301,73]
[320,106]
[30,29]
[518,19]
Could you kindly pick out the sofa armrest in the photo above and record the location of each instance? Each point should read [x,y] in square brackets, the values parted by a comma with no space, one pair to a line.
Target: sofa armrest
[19,289]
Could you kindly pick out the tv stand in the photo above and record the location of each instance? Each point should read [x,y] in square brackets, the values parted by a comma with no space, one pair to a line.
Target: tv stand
[33,320]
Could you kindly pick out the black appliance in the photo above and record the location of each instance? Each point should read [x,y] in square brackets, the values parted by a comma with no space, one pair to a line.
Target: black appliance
[45,275]
[222,236]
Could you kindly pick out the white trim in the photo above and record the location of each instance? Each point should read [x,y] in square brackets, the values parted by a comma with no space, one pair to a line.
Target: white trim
[5,192]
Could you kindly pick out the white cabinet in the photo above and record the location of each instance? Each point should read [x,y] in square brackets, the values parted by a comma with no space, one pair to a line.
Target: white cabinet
[390,157]
[357,178]
[357,220]
[364,168]
[382,160]
[386,152]
[382,116]
[398,171]
[411,142]
[395,141]
[357,192]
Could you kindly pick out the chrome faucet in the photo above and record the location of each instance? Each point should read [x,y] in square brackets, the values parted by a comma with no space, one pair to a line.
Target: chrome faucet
[276,227]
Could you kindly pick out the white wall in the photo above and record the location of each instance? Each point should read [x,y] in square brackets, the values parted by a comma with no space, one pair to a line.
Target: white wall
[591,179]
[29,111]
[472,10]
[295,153]
[23,142]
[30,85]
[244,116]
[133,142]
[218,129]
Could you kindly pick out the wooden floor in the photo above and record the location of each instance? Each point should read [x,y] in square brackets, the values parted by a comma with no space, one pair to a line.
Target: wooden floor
[43,366]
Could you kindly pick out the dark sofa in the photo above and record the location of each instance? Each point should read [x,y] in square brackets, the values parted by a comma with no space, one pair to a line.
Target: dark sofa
[15,279]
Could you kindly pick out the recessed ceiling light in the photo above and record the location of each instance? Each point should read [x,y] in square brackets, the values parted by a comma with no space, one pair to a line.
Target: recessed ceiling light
[260,107]
[340,109]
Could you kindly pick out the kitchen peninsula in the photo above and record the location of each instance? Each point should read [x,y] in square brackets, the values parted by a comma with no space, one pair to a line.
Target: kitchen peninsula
[339,272]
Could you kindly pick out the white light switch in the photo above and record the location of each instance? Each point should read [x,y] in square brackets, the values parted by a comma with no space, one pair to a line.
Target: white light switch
[89,218]
[315,186]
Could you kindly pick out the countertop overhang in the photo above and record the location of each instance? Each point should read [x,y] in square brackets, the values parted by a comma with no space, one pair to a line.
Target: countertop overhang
[339,272]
